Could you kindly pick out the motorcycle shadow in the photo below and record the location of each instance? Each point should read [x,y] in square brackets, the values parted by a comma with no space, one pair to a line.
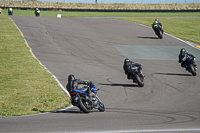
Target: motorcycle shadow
[176,74]
[149,37]
[73,110]
[122,85]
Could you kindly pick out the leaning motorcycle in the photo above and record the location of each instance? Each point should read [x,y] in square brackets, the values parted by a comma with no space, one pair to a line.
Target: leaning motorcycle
[10,13]
[37,13]
[190,65]
[159,31]
[80,99]
[134,71]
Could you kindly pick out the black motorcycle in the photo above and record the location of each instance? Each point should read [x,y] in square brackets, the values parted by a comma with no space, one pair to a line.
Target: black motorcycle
[159,31]
[37,13]
[10,13]
[190,65]
[187,61]
[134,71]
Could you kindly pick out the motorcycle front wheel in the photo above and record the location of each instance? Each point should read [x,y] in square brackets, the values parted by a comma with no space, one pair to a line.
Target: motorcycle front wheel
[84,106]
[191,68]
[160,35]
[139,80]
[101,107]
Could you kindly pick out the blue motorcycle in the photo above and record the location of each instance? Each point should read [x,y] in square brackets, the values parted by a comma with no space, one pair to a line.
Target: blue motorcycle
[80,99]
[190,65]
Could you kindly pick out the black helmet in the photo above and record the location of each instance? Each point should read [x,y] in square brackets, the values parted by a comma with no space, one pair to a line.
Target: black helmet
[156,19]
[71,77]
[183,50]
[127,59]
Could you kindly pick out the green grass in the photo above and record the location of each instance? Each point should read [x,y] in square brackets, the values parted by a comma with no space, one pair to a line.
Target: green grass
[101,14]
[119,6]
[186,28]
[25,86]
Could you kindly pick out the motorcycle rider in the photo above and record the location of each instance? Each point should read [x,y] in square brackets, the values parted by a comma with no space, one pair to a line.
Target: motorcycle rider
[10,11]
[73,84]
[37,11]
[183,56]
[127,67]
[156,24]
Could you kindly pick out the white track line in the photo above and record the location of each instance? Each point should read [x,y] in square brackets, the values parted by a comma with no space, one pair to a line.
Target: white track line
[59,81]
[63,88]
[145,131]
[188,43]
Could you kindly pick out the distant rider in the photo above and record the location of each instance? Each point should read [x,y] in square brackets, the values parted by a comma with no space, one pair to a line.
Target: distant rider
[0,11]
[10,11]
[37,12]
[73,84]
[156,24]
[183,56]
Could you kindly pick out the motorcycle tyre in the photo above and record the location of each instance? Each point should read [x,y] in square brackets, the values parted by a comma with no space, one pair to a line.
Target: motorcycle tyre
[37,14]
[101,107]
[191,68]
[160,34]
[82,107]
[140,83]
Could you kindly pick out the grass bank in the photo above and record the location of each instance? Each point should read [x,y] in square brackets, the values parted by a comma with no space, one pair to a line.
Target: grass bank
[178,24]
[185,28]
[102,14]
[25,86]
[113,6]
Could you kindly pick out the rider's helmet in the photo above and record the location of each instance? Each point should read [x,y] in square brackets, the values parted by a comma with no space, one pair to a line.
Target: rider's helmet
[71,77]
[183,50]
[156,19]
[127,60]
[182,53]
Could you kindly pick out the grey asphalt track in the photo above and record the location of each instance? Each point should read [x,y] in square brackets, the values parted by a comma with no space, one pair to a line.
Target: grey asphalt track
[95,49]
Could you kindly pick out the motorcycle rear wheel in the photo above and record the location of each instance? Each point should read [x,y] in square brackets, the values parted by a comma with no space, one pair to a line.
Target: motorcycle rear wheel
[191,68]
[139,80]
[83,106]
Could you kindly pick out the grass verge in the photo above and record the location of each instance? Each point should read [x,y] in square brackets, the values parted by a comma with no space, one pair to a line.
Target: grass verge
[102,14]
[119,6]
[25,86]
[185,28]
[180,24]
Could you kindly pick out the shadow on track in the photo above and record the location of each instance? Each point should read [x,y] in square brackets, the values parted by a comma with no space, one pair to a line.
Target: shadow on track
[149,37]
[74,111]
[176,74]
[122,85]
[71,111]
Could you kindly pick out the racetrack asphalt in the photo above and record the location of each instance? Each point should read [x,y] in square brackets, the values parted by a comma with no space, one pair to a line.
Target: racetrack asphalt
[94,49]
